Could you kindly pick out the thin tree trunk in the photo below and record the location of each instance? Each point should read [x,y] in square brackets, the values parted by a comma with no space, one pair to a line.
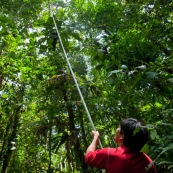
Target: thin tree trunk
[82,128]
[49,148]
[7,156]
[79,153]
[15,119]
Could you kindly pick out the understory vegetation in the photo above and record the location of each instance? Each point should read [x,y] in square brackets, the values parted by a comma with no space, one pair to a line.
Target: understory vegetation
[121,53]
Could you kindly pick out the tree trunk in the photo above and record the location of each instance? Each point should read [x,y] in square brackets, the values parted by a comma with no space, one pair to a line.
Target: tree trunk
[14,125]
[79,153]
[7,156]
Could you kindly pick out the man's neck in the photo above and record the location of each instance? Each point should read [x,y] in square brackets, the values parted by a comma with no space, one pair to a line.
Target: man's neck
[121,144]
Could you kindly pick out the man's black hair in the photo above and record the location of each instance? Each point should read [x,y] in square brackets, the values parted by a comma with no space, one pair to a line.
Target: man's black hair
[135,136]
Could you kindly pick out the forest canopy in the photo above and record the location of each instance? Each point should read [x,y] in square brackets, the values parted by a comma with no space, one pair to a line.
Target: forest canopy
[121,53]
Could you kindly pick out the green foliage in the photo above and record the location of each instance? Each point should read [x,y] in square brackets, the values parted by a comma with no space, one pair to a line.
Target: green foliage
[121,53]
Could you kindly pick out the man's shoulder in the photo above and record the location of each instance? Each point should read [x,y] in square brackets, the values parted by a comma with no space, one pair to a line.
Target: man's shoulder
[119,151]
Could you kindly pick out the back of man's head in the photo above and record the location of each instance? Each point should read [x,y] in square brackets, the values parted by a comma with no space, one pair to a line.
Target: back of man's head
[135,136]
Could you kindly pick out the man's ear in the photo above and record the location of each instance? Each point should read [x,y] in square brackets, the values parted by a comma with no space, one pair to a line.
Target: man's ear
[122,137]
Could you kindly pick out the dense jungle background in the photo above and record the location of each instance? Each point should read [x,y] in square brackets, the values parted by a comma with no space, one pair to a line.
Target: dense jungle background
[121,52]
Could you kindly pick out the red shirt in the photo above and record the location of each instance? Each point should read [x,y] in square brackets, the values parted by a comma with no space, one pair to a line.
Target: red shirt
[119,160]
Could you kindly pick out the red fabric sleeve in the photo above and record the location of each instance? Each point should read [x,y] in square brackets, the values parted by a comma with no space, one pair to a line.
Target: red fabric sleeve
[98,158]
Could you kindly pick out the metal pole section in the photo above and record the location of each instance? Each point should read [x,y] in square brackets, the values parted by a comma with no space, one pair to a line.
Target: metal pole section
[72,73]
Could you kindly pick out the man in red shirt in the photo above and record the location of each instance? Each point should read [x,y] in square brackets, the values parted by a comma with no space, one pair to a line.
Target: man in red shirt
[127,158]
